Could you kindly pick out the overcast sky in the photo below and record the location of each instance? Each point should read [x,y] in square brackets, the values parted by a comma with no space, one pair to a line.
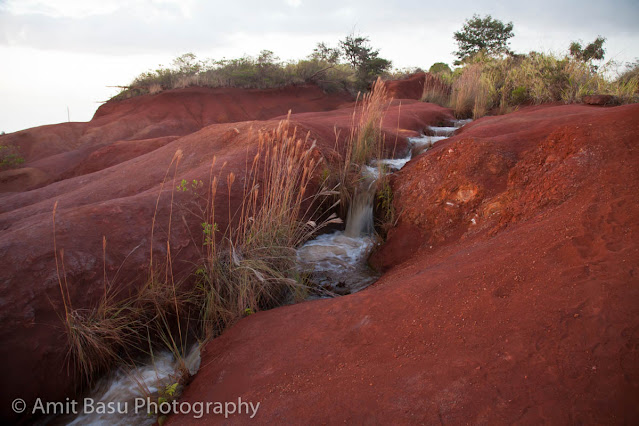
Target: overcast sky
[64,53]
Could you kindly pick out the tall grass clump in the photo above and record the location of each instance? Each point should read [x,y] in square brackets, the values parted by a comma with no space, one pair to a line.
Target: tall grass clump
[365,142]
[469,96]
[101,337]
[122,326]
[437,88]
[254,265]
[500,84]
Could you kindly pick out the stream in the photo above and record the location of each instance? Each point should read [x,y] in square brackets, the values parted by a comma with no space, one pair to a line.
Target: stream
[337,263]
[126,386]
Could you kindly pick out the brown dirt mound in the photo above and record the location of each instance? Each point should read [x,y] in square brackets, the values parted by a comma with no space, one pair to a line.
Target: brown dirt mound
[518,304]
[108,186]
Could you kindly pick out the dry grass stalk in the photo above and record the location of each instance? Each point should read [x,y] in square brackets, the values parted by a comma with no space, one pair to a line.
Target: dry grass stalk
[255,267]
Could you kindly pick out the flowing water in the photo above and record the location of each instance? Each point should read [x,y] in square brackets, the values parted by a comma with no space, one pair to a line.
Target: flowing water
[125,388]
[338,261]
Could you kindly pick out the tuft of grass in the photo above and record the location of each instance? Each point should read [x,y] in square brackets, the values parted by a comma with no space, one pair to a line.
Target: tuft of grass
[470,93]
[385,210]
[365,142]
[254,266]
[97,338]
[436,89]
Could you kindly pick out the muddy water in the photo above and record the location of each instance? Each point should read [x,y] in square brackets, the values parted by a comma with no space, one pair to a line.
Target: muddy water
[337,262]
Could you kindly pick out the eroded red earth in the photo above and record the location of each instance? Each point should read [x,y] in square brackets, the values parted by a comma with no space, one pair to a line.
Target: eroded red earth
[106,176]
[510,290]
[511,293]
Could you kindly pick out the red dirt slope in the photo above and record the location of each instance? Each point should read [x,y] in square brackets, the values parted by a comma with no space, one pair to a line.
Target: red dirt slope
[108,184]
[519,303]
[413,86]
[67,150]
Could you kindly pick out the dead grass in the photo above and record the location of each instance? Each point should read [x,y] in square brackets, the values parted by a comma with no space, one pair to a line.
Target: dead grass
[504,83]
[436,90]
[97,338]
[470,93]
[254,266]
[364,143]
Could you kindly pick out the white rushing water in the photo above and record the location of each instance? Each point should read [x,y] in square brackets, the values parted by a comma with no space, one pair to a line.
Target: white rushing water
[338,261]
[123,387]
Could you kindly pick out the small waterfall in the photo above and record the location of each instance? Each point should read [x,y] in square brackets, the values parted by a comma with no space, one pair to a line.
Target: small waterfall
[359,220]
[337,262]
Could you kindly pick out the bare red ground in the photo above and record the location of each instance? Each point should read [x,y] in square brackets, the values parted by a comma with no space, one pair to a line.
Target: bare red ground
[106,176]
[66,150]
[528,315]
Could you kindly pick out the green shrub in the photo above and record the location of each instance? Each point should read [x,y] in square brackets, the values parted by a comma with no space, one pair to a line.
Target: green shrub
[440,68]
[519,95]
[9,157]
[487,83]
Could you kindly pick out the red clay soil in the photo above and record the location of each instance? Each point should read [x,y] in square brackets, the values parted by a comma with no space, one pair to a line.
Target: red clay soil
[511,293]
[66,150]
[413,86]
[108,175]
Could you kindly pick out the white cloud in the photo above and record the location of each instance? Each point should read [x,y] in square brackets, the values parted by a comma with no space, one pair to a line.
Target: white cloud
[62,8]
[124,38]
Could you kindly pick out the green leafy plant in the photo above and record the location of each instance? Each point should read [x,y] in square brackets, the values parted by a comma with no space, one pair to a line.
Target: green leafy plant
[385,210]
[519,95]
[9,157]
[440,68]
[592,52]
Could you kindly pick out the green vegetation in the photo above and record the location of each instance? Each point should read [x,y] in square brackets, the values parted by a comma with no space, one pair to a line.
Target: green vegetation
[440,68]
[384,208]
[631,72]
[487,83]
[363,59]
[492,78]
[593,51]
[486,35]
[353,66]
[9,157]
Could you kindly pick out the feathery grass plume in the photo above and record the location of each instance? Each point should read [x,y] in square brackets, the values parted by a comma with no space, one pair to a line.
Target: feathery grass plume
[175,159]
[255,265]
[436,90]
[469,93]
[364,143]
